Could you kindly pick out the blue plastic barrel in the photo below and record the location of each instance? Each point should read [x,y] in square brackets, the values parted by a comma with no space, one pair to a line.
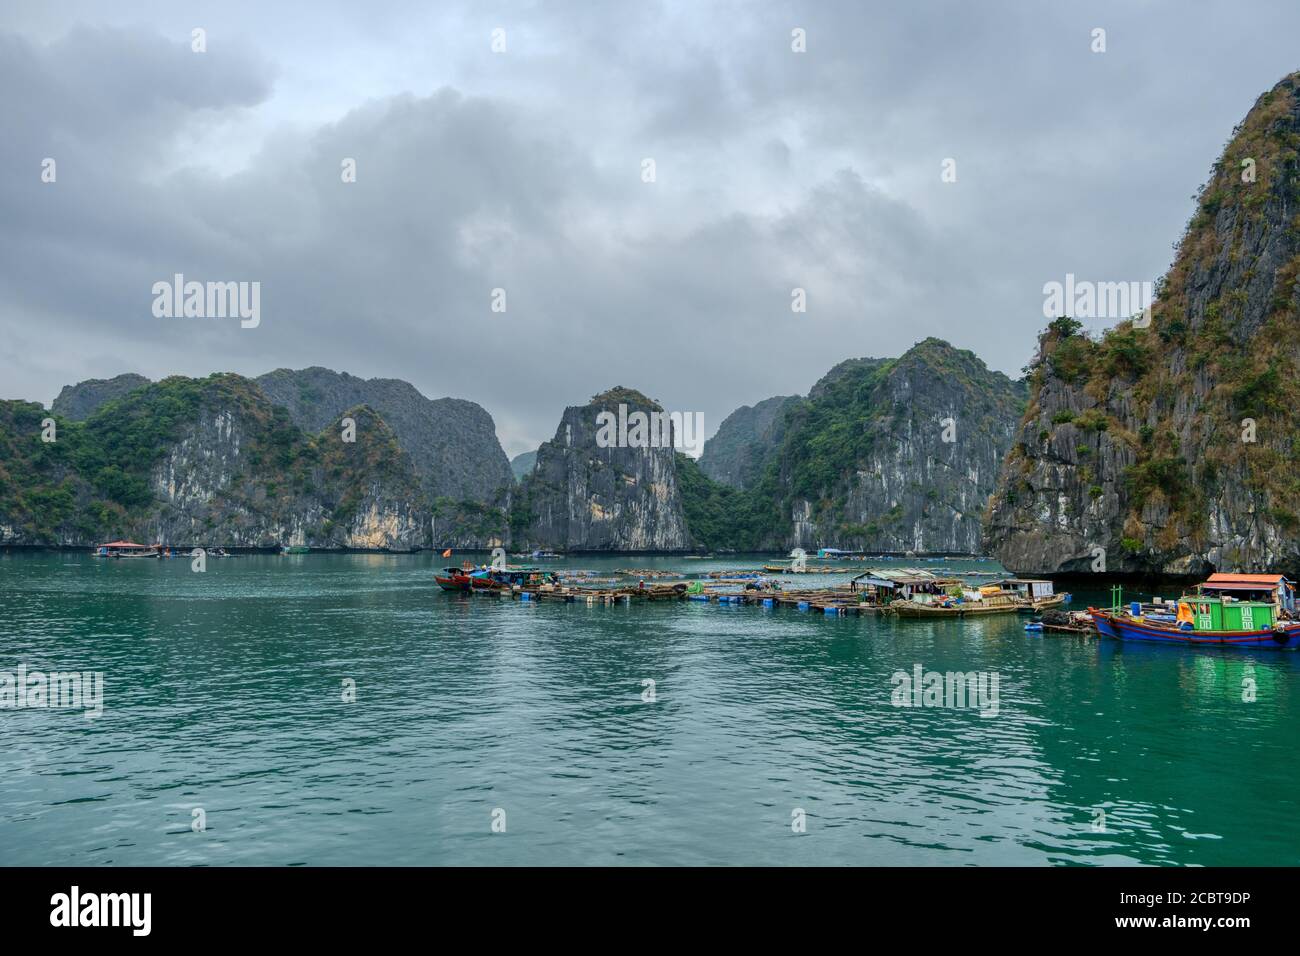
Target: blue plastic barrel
[803,605]
[1135,608]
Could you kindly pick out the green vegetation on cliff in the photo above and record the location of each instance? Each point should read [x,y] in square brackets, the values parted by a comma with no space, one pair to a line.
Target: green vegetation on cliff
[720,516]
[208,458]
[1190,422]
[865,461]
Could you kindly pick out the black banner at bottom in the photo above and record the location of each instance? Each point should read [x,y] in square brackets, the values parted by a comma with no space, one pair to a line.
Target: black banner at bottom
[336,905]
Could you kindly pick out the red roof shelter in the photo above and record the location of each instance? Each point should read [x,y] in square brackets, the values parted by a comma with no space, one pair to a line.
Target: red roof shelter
[1235,582]
[1276,585]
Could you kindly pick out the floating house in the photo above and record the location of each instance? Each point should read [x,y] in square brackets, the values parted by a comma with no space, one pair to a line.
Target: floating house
[125,549]
[886,585]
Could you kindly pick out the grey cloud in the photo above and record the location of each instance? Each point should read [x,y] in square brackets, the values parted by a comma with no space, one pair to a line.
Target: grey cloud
[777,170]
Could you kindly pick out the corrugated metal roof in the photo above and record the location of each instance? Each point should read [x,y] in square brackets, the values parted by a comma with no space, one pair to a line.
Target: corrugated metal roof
[1265,580]
[901,575]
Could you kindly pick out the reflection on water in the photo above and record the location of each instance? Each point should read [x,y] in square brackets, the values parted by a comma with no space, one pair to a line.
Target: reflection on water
[224,691]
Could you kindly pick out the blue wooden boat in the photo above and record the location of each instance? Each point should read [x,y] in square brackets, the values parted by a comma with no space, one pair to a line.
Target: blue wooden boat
[1279,637]
[1209,618]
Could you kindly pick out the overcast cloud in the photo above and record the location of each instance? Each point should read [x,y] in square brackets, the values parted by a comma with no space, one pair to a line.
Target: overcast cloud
[522,170]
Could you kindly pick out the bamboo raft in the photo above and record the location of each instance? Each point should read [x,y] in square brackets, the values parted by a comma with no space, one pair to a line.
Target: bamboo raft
[830,601]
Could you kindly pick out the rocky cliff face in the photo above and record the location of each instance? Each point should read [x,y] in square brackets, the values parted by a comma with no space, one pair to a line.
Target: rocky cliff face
[897,455]
[1168,447]
[584,496]
[884,455]
[747,438]
[452,442]
[78,402]
[213,485]
[209,462]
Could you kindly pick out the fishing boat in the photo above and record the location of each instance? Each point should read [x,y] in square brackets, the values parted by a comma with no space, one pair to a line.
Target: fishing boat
[506,578]
[808,569]
[838,554]
[960,607]
[453,579]
[1209,618]
[126,549]
[469,578]
[294,549]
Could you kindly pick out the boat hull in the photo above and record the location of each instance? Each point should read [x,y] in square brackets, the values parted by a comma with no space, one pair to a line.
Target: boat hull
[453,580]
[971,609]
[1113,626]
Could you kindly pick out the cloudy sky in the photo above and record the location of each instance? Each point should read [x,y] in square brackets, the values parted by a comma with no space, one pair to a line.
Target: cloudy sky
[523,170]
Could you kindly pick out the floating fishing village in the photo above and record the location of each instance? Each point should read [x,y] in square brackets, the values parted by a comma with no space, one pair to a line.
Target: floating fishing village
[1237,610]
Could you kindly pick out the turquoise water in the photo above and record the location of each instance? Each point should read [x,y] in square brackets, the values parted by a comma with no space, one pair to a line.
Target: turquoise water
[223,691]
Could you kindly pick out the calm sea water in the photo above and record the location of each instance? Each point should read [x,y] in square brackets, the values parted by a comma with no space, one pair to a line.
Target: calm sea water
[223,691]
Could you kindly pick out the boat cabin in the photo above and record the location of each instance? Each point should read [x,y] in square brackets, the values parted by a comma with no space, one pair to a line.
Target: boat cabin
[1273,589]
[1223,613]
[1031,589]
[520,577]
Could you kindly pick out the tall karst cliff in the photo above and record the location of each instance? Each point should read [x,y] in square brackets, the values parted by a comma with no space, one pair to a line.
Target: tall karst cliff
[1168,446]
[452,442]
[883,455]
[747,438]
[896,455]
[206,462]
[588,494]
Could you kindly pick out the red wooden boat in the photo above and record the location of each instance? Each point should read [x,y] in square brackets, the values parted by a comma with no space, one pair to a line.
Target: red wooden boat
[453,579]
